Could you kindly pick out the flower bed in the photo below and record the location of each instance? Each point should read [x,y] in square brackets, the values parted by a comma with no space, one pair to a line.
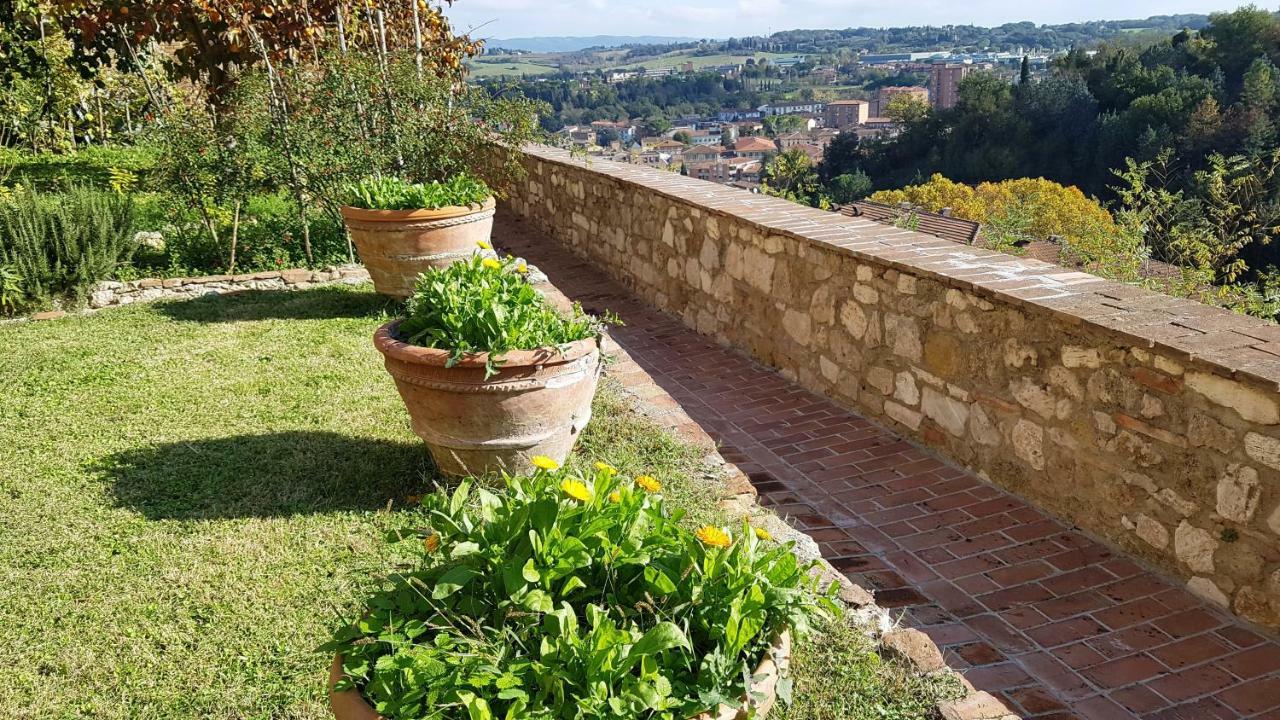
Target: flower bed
[559,592]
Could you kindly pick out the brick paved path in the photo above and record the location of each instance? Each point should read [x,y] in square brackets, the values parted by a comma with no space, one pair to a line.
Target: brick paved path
[1030,609]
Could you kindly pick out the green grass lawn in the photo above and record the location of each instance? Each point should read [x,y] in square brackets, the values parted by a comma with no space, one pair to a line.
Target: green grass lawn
[192,493]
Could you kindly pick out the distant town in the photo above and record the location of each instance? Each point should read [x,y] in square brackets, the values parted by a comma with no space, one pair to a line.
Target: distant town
[732,145]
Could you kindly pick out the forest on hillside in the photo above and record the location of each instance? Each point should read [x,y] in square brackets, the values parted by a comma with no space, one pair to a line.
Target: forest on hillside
[1007,37]
[1177,139]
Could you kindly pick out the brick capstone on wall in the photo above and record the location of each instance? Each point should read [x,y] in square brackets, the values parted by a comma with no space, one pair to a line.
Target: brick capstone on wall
[1151,421]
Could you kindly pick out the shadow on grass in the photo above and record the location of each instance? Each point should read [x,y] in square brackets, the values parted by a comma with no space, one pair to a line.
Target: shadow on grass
[271,475]
[323,303]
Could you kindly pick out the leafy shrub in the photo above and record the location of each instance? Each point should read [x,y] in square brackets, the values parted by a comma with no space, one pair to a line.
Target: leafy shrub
[391,193]
[270,236]
[92,165]
[63,243]
[559,597]
[486,305]
[11,293]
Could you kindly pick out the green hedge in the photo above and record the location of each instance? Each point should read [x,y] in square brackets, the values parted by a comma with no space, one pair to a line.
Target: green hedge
[89,166]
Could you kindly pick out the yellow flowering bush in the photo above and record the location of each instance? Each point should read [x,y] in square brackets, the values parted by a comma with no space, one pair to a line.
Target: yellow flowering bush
[560,597]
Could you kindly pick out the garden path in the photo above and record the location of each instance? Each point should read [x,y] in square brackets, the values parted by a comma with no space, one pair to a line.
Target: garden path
[1053,621]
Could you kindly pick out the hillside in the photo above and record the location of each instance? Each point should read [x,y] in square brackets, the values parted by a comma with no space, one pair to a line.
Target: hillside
[573,43]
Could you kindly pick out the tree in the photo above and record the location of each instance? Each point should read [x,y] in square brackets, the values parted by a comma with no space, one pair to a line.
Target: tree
[1024,73]
[210,39]
[790,174]
[842,155]
[906,109]
[682,136]
[776,125]
[849,187]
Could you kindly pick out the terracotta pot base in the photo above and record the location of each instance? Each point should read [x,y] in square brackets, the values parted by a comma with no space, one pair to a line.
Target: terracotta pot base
[537,404]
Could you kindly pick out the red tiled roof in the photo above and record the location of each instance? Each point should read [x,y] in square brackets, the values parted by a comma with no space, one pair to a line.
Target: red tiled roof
[754,144]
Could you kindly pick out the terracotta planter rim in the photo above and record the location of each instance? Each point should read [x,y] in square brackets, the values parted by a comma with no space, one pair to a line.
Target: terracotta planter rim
[351,705]
[387,342]
[441,213]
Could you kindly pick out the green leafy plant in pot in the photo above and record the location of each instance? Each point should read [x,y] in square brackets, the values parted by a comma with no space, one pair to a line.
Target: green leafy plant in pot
[402,229]
[575,597]
[490,372]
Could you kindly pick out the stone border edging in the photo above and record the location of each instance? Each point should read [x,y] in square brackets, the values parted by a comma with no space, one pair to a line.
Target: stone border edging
[115,293]
[111,293]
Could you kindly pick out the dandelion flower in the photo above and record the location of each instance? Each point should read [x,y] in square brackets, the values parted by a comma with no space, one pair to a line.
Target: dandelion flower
[544,462]
[712,536]
[762,533]
[606,468]
[522,268]
[648,483]
[484,244]
[577,490]
[491,264]
[432,542]
[615,496]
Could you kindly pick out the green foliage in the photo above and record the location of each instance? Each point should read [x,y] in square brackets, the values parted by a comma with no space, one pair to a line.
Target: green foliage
[486,305]
[11,292]
[87,166]
[1232,209]
[392,193]
[839,676]
[849,187]
[790,174]
[559,597]
[61,244]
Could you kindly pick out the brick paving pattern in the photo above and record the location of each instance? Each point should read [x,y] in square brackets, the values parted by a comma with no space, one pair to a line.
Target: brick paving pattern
[1055,623]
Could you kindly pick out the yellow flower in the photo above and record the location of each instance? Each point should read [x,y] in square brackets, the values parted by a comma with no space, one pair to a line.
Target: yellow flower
[606,468]
[432,543]
[649,483]
[484,244]
[615,496]
[712,536]
[522,268]
[544,462]
[491,264]
[762,533]
[576,489]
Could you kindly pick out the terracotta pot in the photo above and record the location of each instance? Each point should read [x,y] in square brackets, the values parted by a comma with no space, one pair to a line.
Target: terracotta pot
[349,705]
[397,245]
[537,404]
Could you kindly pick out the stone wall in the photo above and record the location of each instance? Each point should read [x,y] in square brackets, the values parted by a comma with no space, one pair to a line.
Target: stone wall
[107,294]
[1151,421]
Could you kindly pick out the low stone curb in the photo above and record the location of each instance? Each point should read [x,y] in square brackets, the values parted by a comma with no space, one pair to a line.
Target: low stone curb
[107,294]
[738,499]
[113,293]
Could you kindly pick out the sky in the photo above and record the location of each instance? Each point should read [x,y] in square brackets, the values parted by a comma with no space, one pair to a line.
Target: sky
[726,18]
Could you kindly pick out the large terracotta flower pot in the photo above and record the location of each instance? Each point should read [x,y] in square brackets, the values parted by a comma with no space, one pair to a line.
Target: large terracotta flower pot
[349,705]
[537,404]
[397,245]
